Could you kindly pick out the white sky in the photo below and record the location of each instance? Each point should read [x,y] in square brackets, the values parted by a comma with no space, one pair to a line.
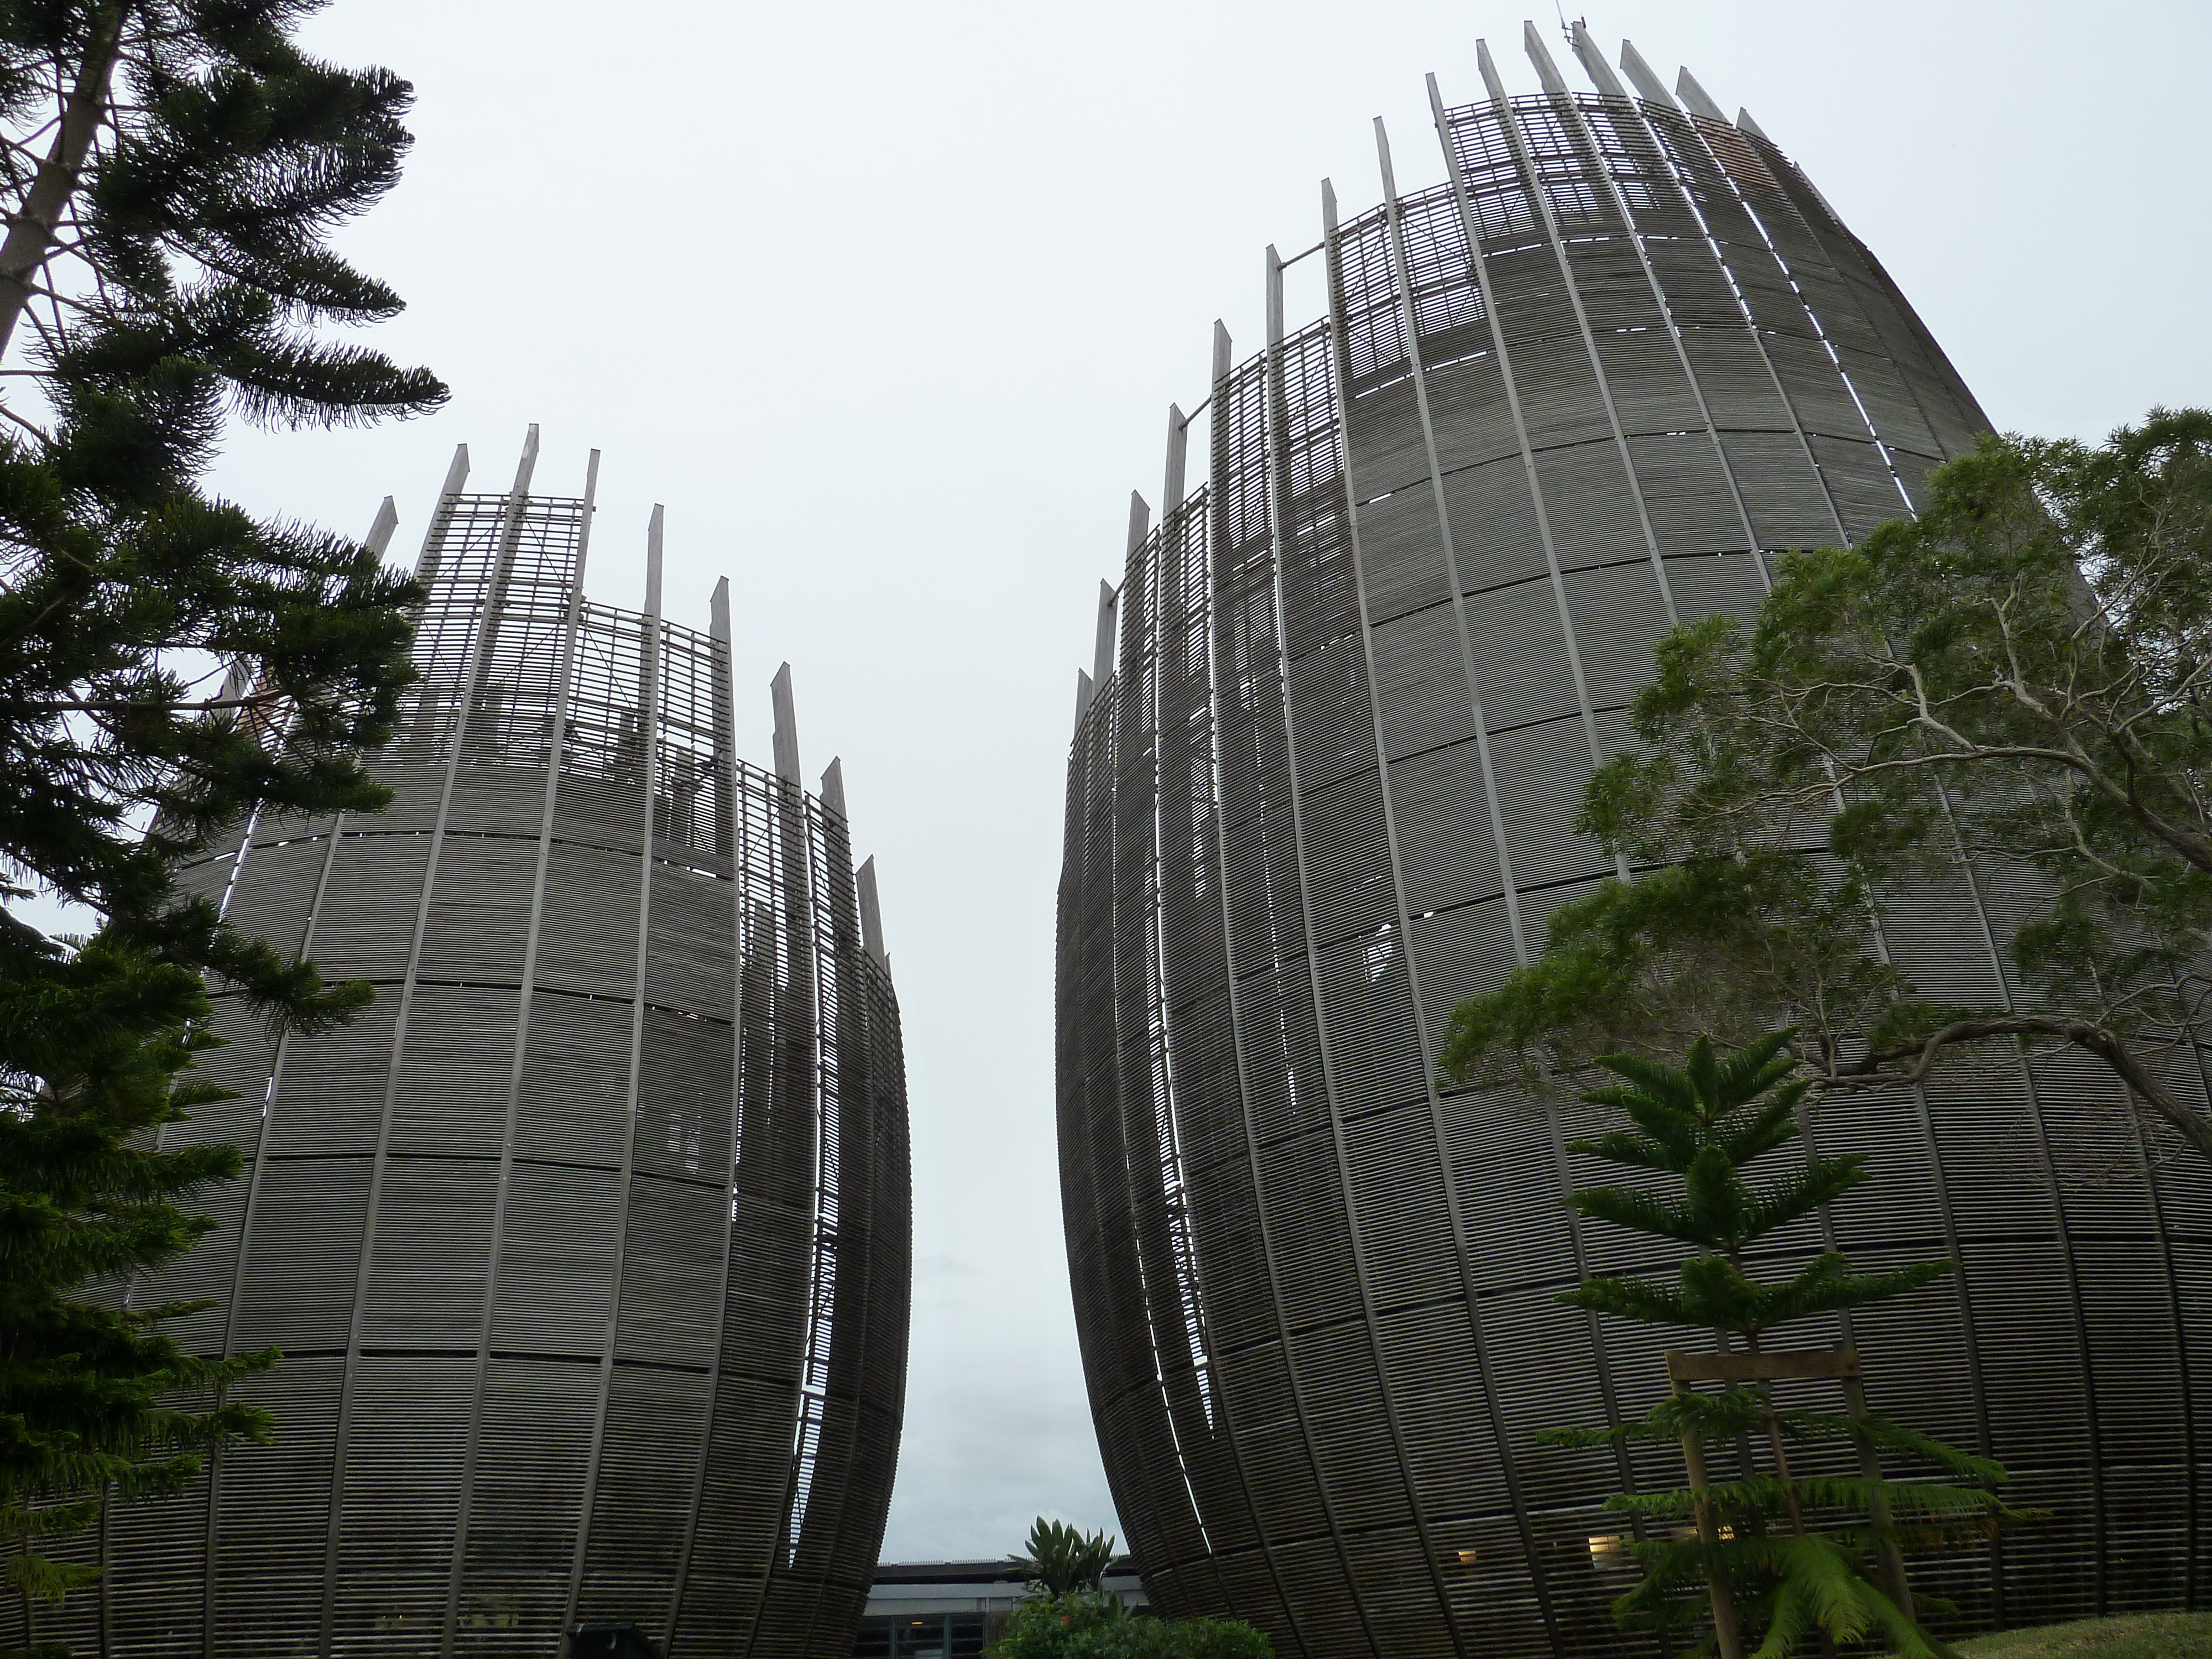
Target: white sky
[886,303]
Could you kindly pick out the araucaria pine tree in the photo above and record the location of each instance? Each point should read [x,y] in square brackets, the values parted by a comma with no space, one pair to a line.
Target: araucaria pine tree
[171,171]
[1752,1550]
[170,174]
[100,1402]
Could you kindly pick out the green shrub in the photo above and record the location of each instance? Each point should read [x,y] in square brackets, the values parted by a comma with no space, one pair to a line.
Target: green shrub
[1082,1627]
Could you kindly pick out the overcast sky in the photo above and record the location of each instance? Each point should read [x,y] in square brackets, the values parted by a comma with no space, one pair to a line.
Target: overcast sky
[886,303]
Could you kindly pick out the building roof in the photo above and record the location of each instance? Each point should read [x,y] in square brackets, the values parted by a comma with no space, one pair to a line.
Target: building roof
[1004,1570]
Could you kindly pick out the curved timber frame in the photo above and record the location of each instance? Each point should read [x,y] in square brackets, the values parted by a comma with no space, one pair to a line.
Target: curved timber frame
[1325,768]
[587,1244]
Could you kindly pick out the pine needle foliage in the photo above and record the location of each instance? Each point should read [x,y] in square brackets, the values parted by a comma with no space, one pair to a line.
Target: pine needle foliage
[98,1402]
[1801,1553]
[172,172]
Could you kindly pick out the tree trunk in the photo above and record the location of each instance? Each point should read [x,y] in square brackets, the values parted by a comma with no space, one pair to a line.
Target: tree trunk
[1823,1643]
[35,224]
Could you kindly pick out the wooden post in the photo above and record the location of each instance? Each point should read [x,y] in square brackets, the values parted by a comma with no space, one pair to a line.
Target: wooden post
[1837,1365]
[1892,1558]
[1725,1638]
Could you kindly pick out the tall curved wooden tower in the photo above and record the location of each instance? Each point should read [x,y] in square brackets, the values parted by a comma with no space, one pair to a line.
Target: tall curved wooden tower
[1323,788]
[587,1244]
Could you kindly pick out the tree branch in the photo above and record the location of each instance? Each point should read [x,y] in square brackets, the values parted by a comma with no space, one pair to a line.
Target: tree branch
[264,699]
[32,231]
[1869,1069]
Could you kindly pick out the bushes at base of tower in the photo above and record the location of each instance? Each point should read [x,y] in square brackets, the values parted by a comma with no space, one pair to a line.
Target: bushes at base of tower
[1090,1626]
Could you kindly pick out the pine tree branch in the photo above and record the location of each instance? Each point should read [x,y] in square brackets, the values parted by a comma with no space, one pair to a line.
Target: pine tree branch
[272,698]
[31,427]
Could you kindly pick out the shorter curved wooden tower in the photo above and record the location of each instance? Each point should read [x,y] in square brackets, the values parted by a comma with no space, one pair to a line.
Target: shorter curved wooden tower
[587,1244]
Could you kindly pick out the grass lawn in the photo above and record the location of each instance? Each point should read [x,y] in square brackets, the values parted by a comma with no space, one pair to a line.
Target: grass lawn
[2145,1636]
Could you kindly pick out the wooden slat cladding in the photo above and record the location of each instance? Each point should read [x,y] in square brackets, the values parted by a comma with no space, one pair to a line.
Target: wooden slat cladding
[588,1244]
[1585,389]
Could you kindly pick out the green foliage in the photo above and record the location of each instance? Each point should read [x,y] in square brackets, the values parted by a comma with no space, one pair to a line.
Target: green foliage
[1090,1626]
[2011,688]
[97,1402]
[167,261]
[1063,1561]
[1704,1126]
[1719,945]
[169,665]
[1068,1617]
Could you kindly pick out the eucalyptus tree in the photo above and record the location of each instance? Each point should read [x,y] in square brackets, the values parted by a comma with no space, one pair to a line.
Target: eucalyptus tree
[2004,698]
